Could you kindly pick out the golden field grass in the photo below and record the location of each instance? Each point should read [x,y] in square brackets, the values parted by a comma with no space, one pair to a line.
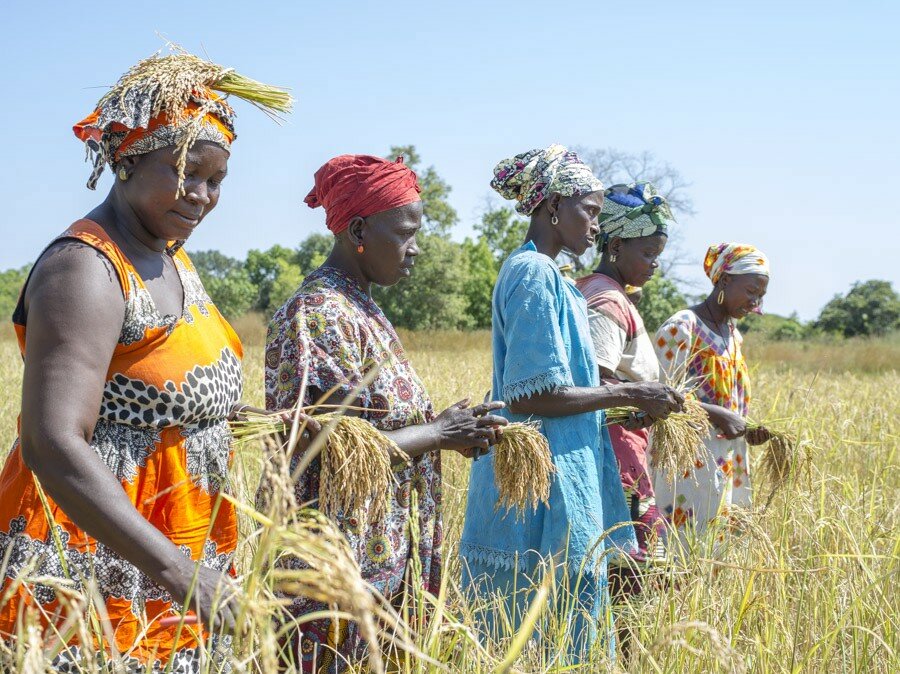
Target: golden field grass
[813,585]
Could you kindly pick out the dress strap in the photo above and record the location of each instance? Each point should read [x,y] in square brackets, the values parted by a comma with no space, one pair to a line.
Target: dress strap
[92,234]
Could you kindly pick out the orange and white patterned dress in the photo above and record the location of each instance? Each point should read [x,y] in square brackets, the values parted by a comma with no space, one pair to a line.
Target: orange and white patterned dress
[687,349]
[162,430]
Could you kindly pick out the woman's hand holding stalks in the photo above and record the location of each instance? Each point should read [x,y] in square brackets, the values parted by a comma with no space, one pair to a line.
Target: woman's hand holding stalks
[469,430]
[212,595]
[731,425]
[758,435]
[657,400]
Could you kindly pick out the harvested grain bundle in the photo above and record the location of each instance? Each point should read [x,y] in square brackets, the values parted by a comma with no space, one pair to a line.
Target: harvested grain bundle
[784,456]
[355,461]
[676,442]
[523,467]
[171,84]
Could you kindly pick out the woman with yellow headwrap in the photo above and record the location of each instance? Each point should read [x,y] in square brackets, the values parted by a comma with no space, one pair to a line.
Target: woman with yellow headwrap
[114,485]
[702,345]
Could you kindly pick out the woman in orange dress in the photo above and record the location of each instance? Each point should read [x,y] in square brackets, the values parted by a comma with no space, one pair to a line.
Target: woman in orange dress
[131,373]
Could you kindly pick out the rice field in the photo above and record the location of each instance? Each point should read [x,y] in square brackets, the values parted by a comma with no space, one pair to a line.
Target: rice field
[812,584]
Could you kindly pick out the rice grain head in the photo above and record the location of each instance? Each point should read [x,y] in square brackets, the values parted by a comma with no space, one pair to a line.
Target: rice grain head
[523,467]
[356,474]
[784,456]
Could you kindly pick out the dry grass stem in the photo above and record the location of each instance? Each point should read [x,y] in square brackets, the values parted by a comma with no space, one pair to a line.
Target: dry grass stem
[523,467]
[784,456]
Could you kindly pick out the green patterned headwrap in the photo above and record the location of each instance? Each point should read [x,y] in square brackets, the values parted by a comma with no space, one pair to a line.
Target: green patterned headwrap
[634,210]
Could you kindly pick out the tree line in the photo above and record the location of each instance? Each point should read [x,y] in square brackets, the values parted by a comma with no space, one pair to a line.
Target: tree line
[453,280]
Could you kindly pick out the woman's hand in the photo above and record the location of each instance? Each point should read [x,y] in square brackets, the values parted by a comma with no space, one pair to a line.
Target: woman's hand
[310,425]
[638,421]
[657,400]
[730,424]
[311,429]
[468,430]
[758,435]
[212,595]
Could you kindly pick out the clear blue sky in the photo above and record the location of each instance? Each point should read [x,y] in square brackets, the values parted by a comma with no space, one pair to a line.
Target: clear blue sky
[782,115]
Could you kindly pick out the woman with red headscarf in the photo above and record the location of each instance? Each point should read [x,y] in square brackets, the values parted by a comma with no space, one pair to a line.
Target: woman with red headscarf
[334,332]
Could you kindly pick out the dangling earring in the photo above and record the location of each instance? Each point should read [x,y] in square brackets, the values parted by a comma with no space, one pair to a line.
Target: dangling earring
[554,220]
[721,297]
[123,174]
[360,249]
[612,258]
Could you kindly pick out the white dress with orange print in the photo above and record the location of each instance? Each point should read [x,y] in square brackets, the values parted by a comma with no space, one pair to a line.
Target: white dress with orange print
[688,350]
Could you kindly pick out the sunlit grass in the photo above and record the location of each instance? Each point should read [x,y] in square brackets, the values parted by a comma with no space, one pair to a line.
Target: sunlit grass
[810,586]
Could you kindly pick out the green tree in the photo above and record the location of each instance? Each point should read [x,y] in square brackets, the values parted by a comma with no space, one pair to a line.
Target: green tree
[481,276]
[11,282]
[659,300]
[439,216]
[502,231]
[870,308]
[226,281]
[271,271]
[773,326]
[313,251]
[435,296]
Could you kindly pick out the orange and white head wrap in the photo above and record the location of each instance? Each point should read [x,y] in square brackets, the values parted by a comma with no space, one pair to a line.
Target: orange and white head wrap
[734,258]
[124,126]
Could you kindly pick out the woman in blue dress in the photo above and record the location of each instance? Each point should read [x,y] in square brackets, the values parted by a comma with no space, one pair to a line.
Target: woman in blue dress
[545,369]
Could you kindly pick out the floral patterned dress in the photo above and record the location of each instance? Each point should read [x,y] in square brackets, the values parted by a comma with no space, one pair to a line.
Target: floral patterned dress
[162,431]
[333,327]
[687,347]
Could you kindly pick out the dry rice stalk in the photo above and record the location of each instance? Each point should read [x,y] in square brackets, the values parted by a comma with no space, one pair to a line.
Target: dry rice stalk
[677,442]
[784,456]
[523,467]
[355,462]
[330,575]
[171,83]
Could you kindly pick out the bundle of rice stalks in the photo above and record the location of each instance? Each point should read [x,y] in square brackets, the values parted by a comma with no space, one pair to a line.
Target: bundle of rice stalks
[355,461]
[523,467]
[677,442]
[171,83]
[784,456]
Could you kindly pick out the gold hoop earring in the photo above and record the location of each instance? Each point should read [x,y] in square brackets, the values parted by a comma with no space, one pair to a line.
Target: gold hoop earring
[123,175]
[721,297]
[554,221]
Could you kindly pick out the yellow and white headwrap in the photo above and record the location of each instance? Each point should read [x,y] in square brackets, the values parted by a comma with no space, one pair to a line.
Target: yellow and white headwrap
[734,258]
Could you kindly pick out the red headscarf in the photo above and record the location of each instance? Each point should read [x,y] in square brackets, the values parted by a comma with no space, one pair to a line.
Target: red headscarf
[354,185]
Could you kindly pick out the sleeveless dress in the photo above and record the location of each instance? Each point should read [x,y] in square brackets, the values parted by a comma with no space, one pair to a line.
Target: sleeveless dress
[162,430]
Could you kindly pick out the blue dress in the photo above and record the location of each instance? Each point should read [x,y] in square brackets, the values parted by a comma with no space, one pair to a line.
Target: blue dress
[541,341]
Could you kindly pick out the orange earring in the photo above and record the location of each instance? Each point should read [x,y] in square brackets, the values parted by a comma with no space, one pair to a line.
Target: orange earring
[360,249]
